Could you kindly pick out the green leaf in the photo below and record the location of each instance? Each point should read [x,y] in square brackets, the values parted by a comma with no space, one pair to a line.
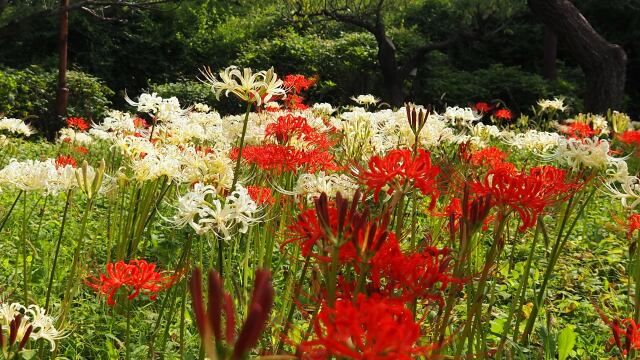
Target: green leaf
[566,342]
[28,354]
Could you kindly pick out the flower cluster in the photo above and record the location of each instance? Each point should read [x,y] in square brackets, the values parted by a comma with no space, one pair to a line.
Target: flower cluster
[203,210]
[16,127]
[398,169]
[137,277]
[249,87]
[526,193]
[374,328]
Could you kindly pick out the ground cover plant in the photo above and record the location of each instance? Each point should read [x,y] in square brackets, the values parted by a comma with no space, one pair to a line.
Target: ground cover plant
[299,230]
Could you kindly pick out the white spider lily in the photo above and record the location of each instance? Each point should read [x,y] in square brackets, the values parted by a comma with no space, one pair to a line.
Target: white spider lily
[148,103]
[72,136]
[16,126]
[323,108]
[247,86]
[555,104]
[194,205]
[590,153]
[312,185]
[366,100]
[628,191]
[456,115]
[42,325]
[204,215]
[538,142]
[28,175]
[116,121]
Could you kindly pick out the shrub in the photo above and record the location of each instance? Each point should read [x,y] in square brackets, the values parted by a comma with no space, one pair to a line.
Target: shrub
[517,88]
[187,91]
[346,65]
[31,93]
[190,92]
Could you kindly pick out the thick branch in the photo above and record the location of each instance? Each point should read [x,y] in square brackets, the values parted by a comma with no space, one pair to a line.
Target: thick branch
[419,54]
[603,63]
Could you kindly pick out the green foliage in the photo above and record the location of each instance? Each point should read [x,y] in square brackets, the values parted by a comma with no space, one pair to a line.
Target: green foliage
[346,65]
[566,342]
[24,92]
[31,93]
[188,92]
[517,88]
[88,96]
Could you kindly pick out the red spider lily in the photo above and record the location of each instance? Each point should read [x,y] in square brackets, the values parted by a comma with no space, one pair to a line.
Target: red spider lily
[633,224]
[373,328]
[81,150]
[490,156]
[503,114]
[420,275]
[294,102]
[526,193]
[140,123]
[288,127]
[399,167]
[77,123]
[298,83]
[209,321]
[137,277]
[483,107]
[625,329]
[356,236]
[476,214]
[261,195]
[579,130]
[295,84]
[630,137]
[281,158]
[64,160]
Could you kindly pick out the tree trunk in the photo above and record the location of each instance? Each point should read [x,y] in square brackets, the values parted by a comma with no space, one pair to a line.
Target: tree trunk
[603,63]
[549,70]
[63,91]
[393,80]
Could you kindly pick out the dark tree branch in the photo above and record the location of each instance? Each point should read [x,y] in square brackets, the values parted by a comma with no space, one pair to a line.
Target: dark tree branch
[418,55]
[82,5]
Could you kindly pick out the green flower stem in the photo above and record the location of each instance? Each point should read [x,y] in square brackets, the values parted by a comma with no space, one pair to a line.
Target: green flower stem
[68,293]
[236,171]
[555,254]
[57,250]
[23,238]
[183,307]
[521,290]
[6,216]
[296,293]
[476,305]
[128,331]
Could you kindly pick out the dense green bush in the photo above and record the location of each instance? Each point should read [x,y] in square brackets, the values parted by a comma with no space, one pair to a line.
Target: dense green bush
[516,88]
[346,65]
[190,92]
[31,93]
[88,96]
[187,91]
[24,93]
